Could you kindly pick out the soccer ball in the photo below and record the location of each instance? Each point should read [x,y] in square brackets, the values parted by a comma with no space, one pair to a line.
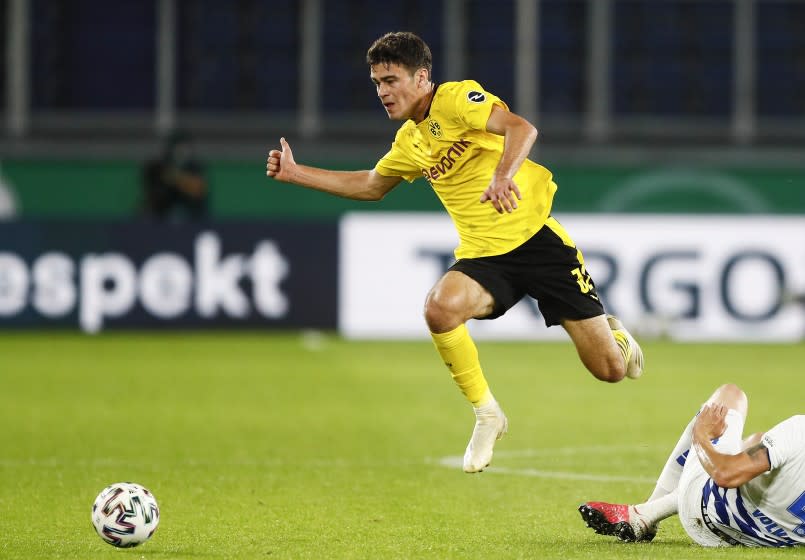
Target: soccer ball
[125,514]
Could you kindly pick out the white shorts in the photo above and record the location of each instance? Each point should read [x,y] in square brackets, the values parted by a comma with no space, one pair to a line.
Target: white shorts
[694,477]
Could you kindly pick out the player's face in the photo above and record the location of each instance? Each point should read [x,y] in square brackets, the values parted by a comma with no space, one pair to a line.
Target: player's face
[403,95]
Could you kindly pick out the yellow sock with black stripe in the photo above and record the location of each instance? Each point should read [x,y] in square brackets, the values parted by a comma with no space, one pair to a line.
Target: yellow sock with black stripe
[460,355]
[623,345]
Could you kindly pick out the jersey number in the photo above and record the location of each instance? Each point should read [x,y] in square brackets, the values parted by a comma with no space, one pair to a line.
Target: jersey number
[797,509]
[583,279]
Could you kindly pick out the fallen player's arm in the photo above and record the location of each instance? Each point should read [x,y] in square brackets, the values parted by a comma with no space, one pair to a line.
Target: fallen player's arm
[727,471]
[752,440]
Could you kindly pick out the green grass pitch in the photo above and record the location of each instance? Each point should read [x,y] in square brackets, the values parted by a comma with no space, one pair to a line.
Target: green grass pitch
[293,446]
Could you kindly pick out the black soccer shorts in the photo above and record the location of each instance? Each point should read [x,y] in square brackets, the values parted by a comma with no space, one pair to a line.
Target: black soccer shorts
[547,267]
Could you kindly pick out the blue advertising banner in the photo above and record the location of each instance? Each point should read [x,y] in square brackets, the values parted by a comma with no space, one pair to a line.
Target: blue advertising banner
[141,275]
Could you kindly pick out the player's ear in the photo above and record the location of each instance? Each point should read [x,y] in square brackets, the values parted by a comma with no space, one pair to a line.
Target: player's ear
[422,77]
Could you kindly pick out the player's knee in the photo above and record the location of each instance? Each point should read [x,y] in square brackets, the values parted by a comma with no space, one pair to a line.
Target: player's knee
[731,390]
[444,312]
[731,396]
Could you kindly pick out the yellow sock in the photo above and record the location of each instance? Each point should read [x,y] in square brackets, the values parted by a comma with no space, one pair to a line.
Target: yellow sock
[623,345]
[460,355]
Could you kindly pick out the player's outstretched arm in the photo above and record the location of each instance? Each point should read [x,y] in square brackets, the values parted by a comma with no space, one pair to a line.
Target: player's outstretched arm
[728,471]
[357,185]
[520,136]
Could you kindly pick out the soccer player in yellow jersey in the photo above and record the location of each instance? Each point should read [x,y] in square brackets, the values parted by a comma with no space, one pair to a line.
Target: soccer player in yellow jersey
[472,150]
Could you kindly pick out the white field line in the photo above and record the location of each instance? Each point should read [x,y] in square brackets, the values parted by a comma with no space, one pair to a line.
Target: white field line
[455,462]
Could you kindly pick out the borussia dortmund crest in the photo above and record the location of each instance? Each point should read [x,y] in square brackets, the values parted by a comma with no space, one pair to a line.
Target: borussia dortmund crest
[434,128]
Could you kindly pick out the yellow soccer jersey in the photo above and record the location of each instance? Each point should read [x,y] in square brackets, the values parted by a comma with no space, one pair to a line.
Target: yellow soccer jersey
[458,157]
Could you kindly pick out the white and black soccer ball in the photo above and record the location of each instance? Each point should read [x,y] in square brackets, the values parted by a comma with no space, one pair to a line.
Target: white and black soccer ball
[125,514]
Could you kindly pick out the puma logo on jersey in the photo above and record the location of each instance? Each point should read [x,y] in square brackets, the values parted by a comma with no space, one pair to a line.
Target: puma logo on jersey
[476,96]
[447,161]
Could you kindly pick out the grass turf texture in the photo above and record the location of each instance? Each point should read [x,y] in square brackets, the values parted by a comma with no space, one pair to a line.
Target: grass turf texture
[287,446]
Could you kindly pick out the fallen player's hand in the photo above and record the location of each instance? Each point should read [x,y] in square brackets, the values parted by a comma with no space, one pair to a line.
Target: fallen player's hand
[280,164]
[503,194]
[711,421]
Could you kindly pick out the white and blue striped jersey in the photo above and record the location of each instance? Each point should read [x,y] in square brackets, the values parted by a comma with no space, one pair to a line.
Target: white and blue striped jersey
[769,510]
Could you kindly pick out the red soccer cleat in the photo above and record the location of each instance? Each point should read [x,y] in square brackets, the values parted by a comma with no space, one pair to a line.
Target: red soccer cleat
[619,520]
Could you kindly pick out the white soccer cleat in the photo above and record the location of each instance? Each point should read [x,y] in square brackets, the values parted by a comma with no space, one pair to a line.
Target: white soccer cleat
[490,425]
[634,362]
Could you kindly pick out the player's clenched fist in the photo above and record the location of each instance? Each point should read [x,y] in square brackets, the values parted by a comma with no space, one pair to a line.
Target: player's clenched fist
[280,163]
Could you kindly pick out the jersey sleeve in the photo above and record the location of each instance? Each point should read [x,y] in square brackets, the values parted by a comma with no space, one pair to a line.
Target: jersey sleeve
[785,440]
[473,104]
[396,164]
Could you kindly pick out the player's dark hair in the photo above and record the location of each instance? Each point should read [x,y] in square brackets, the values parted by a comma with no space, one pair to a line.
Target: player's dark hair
[403,48]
